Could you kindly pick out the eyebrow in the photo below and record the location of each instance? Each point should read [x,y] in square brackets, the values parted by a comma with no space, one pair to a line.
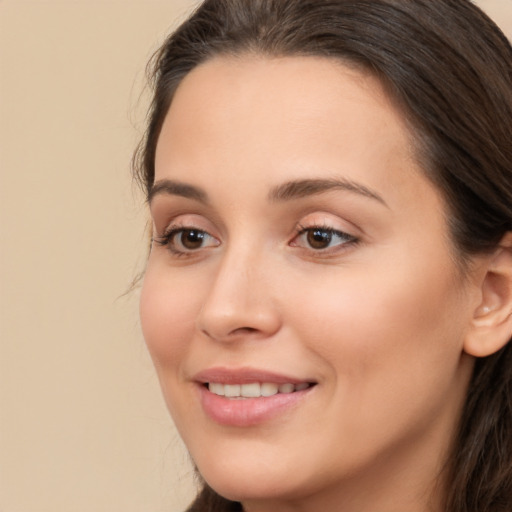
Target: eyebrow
[303,188]
[177,188]
[288,191]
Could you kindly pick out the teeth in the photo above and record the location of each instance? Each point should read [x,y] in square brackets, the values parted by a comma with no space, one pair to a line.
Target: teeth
[286,388]
[250,390]
[217,388]
[255,389]
[232,390]
[268,389]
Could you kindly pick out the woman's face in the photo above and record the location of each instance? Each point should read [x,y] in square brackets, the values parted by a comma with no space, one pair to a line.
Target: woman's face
[302,260]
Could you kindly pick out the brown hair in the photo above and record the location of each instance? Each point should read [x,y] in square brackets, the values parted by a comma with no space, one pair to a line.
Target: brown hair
[450,69]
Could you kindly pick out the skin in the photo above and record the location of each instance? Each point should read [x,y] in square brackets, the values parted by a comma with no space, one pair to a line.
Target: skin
[379,324]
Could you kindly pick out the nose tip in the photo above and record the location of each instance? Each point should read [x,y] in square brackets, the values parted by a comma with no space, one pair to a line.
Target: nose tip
[223,322]
[239,304]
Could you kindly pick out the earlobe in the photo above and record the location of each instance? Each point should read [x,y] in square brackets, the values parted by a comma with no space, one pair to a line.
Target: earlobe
[491,325]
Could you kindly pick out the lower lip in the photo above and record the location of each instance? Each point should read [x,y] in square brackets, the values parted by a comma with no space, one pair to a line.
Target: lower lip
[248,411]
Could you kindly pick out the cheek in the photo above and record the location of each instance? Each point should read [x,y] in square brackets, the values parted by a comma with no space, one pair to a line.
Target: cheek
[385,326]
[167,313]
[392,348]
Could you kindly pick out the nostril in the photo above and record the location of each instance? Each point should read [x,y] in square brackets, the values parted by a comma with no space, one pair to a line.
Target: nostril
[244,330]
[225,320]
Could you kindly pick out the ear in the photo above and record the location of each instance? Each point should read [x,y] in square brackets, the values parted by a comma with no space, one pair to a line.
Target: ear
[491,325]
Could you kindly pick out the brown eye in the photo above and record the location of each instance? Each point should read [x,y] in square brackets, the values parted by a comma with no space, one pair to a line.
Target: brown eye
[318,238]
[181,241]
[322,239]
[191,238]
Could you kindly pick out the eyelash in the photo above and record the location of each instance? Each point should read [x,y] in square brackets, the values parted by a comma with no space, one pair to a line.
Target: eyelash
[347,240]
[167,239]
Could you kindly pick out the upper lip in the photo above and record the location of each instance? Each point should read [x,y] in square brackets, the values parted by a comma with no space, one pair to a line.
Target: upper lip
[244,375]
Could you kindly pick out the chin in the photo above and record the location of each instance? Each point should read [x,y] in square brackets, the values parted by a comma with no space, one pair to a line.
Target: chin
[250,489]
[244,491]
[250,481]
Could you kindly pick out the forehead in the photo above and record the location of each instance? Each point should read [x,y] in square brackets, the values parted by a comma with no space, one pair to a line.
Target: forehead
[280,119]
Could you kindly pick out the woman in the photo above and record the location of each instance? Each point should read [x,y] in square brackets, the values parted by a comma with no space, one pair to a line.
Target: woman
[328,297]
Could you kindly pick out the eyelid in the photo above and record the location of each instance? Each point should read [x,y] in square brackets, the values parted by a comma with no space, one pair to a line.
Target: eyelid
[328,221]
[168,209]
[176,226]
[170,218]
[335,227]
[342,234]
[170,240]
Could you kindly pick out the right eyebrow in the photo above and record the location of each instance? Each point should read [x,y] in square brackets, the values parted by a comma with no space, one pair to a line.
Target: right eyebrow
[176,188]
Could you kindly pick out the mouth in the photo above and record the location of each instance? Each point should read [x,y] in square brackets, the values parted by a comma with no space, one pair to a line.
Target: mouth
[255,389]
[247,397]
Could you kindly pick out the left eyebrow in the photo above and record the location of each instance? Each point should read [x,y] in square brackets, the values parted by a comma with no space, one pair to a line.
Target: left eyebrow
[303,188]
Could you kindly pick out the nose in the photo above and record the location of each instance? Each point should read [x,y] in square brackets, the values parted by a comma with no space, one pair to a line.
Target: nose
[240,301]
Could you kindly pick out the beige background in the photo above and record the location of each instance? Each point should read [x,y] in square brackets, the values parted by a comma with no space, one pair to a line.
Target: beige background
[82,424]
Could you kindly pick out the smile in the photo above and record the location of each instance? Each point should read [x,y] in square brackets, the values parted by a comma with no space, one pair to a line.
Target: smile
[254,389]
[245,397]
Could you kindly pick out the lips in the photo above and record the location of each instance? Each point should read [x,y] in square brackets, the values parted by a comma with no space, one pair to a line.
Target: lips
[247,397]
